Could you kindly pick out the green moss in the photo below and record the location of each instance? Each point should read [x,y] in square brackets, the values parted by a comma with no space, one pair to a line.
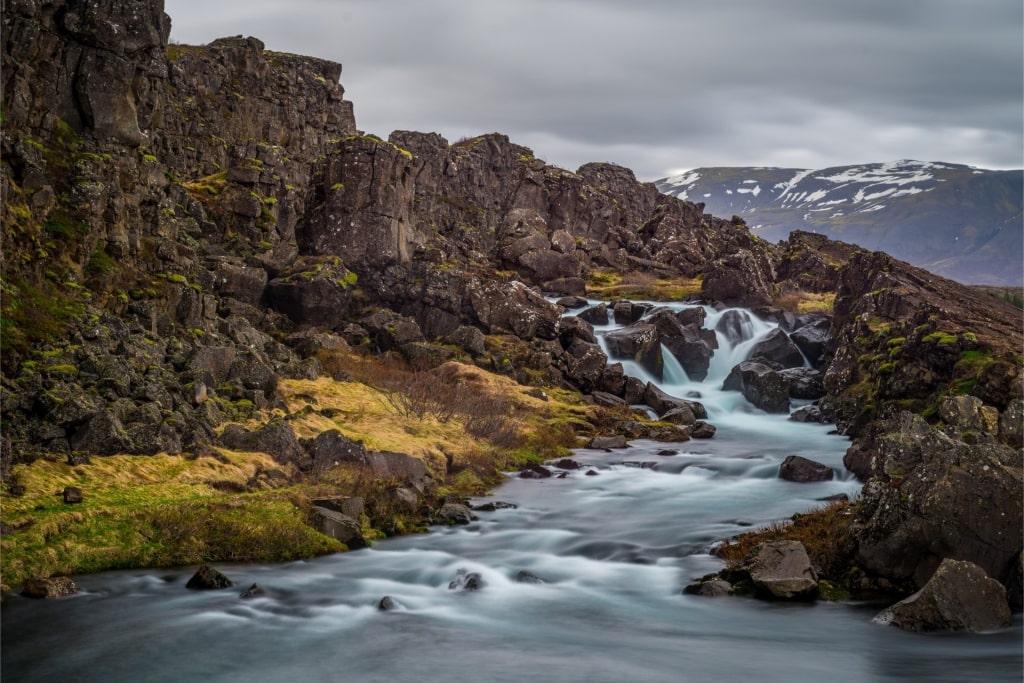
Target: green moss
[940,338]
[62,369]
[100,263]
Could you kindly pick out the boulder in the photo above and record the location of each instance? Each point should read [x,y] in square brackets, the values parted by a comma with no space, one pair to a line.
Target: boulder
[810,413]
[764,387]
[398,467]
[387,604]
[318,295]
[661,402]
[276,439]
[535,472]
[353,507]
[608,442]
[332,448]
[711,588]
[572,302]
[467,581]
[585,364]
[503,307]
[469,339]
[339,526]
[799,469]
[958,597]
[639,342]
[49,588]
[804,383]
[782,569]
[969,414]
[811,339]
[451,514]
[72,494]
[684,342]
[702,430]
[595,315]
[776,347]
[936,497]
[208,578]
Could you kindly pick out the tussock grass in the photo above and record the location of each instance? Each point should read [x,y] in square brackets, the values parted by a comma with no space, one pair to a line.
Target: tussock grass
[806,302]
[825,533]
[608,284]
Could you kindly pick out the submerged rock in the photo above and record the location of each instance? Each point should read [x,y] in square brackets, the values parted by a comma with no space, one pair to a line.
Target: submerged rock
[387,604]
[958,597]
[467,581]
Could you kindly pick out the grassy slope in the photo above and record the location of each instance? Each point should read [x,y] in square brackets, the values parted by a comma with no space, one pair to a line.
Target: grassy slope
[163,510]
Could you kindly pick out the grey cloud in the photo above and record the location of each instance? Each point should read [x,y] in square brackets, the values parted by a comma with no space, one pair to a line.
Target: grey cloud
[744,81]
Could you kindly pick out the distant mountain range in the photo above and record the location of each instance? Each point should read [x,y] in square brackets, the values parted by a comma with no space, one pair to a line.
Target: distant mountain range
[957,221]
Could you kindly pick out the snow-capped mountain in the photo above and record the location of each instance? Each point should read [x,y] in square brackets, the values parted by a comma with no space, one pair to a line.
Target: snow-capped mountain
[958,221]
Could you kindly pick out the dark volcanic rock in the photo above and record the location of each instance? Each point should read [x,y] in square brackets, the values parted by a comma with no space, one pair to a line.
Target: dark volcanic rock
[804,383]
[958,597]
[339,526]
[454,513]
[776,347]
[764,387]
[799,469]
[934,497]
[811,339]
[639,342]
[208,578]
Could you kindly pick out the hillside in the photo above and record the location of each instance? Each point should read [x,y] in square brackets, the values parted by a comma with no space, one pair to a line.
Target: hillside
[957,221]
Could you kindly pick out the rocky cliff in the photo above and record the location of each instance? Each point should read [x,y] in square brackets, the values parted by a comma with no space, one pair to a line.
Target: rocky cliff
[190,223]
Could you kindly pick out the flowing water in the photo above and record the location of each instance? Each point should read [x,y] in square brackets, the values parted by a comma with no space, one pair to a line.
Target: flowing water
[613,551]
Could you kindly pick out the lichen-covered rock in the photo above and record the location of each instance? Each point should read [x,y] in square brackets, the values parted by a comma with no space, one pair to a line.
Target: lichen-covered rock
[783,570]
[958,597]
[49,588]
[935,497]
[339,526]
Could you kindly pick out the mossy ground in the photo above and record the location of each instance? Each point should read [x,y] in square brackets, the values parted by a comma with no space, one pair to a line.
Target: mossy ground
[164,510]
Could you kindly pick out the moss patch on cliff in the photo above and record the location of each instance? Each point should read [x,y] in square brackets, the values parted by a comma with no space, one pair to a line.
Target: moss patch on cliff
[613,284]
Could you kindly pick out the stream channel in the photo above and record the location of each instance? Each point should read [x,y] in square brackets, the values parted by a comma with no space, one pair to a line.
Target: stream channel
[614,552]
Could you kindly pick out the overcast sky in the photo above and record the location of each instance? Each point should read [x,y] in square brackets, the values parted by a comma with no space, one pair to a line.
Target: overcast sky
[666,85]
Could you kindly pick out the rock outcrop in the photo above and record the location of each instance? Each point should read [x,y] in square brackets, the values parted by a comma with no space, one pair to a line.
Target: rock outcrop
[958,597]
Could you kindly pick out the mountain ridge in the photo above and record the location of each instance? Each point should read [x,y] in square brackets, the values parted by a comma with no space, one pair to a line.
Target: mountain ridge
[954,220]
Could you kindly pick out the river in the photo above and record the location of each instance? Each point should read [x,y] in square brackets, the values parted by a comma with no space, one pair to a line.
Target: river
[613,551]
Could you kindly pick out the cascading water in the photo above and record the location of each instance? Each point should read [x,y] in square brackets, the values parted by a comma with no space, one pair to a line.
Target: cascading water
[612,551]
